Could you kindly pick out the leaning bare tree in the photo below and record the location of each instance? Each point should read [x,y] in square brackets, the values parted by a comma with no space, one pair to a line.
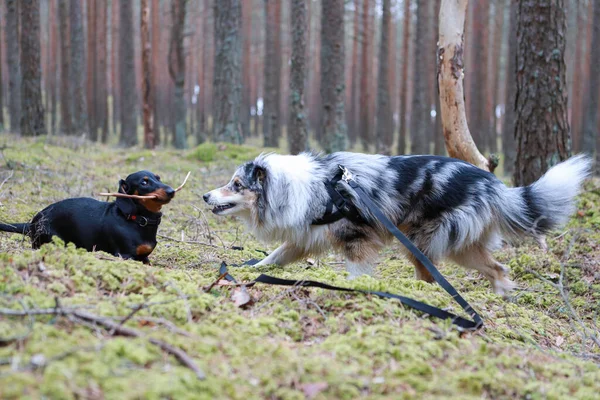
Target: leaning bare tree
[177,70]
[459,142]
[32,110]
[297,131]
[542,125]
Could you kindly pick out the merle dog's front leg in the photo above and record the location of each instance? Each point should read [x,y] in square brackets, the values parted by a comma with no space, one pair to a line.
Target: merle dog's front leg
[284,254]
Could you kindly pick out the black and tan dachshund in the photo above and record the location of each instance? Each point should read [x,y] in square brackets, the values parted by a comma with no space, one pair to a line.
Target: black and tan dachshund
[126,227]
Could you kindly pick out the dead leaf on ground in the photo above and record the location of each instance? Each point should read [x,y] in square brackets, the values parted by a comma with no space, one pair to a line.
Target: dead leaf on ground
[559,341]
[241,297]
[312,389]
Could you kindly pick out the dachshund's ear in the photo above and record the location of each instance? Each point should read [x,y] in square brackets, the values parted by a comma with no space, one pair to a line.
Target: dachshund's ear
[259,174]
[123,186]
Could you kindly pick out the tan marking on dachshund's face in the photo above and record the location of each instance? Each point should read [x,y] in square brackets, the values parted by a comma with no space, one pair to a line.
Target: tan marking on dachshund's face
[144,249]
[234,198]
[155,205]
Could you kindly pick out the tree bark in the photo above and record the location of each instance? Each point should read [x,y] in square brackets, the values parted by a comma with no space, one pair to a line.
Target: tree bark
[227,71]
[177,71]
[385,127]
[77,68]
[52,70]
[438,135]
[127,85]
[2,87]
[420,125]
[366,119]
[495,67]
[147,92]
[65,60]
[101,95]
[332,76]
[246,67]
[271,124]
[14,65]
[92,66]
[352,116]
[509,147]
[590,122]
[404,80]
[32,110]
[459,142]
[297,132]
[155,54]
[542,127]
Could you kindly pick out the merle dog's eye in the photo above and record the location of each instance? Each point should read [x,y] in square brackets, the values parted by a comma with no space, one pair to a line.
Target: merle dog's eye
[237,185]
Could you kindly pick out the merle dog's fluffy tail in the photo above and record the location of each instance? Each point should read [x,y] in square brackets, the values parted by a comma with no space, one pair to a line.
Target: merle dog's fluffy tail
[16,228]
[546,204]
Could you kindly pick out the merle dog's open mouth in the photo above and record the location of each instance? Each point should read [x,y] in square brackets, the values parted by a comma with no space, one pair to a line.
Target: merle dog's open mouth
[222,207]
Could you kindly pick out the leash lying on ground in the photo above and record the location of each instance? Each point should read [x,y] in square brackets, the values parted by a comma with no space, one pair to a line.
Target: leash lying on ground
[474,324]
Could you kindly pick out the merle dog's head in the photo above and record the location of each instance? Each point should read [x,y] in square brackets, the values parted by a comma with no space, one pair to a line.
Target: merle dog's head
[146,183]
[244,192]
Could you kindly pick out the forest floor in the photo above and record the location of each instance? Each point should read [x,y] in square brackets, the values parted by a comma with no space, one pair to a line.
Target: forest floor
[290,343]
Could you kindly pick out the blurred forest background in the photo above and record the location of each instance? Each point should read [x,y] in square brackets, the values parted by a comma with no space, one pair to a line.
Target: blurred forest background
[338,74]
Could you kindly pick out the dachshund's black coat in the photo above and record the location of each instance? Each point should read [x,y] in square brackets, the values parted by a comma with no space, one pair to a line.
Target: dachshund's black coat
[125,227]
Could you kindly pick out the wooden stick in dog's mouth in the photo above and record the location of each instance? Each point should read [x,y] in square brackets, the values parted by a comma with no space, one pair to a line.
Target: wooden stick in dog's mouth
[138,197]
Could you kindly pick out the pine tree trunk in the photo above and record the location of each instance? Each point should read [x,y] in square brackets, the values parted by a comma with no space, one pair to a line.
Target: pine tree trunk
[509,147]
[227,71]
[155,53]
[438,136]
[297,132]
[385,128]
[52,70]
[403,85]
[65,60]
[101,95]
[542,127]
[590,121]
[147,92]
[366,120]
[92,65]
[271,124]
[115,65]
[1,88]
[419,132]
[177,71]
[495,68]
[32,110]
[14,65]
[246,67]
[77,68]
[127,85]
[332,76]
[459,142]
[352,116]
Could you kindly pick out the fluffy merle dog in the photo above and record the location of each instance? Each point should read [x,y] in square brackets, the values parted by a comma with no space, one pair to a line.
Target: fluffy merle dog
[447,207]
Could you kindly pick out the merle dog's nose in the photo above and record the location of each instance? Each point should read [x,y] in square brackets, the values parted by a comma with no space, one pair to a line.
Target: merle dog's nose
[170,192]
[206,197]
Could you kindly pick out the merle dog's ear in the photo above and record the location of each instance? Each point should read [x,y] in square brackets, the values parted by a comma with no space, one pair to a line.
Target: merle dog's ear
[259,174]
[123,186]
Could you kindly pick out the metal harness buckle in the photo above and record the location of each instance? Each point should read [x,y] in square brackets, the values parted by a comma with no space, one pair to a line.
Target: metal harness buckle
[143,222]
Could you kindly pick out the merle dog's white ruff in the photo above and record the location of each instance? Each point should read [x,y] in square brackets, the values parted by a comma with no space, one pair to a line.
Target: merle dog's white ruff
[447,207]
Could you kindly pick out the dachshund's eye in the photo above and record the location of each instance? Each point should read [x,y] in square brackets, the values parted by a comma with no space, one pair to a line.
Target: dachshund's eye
[145,182]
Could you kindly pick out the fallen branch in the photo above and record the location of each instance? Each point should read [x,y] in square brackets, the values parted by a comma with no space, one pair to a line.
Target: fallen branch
[127,196]
[114,328]
[188,241]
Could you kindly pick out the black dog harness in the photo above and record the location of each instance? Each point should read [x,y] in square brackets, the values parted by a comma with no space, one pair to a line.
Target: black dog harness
[347,210]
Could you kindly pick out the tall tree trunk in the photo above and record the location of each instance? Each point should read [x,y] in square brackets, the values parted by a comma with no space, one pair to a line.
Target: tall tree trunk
[177,71]
[297,132]
[1,87]
[459,142]
[155,53]
[314,76]
[271,124]
[92,66]
[246,67]
[385,127]
[198,110]
[509,147]
[403,84]
[65,60]
[127,85]
[32,110]
[77,68]
[332,76]
[590,121]
[228,71]
[438,135]
[101,94]
[420,121]
[115,63]
[366,119]
[542,127]
[14,65]
[147,93]
[495,68]
[52,70]
[352,116]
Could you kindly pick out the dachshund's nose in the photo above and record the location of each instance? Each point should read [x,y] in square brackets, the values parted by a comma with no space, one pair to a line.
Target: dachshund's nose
[206,197]
[170,192]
